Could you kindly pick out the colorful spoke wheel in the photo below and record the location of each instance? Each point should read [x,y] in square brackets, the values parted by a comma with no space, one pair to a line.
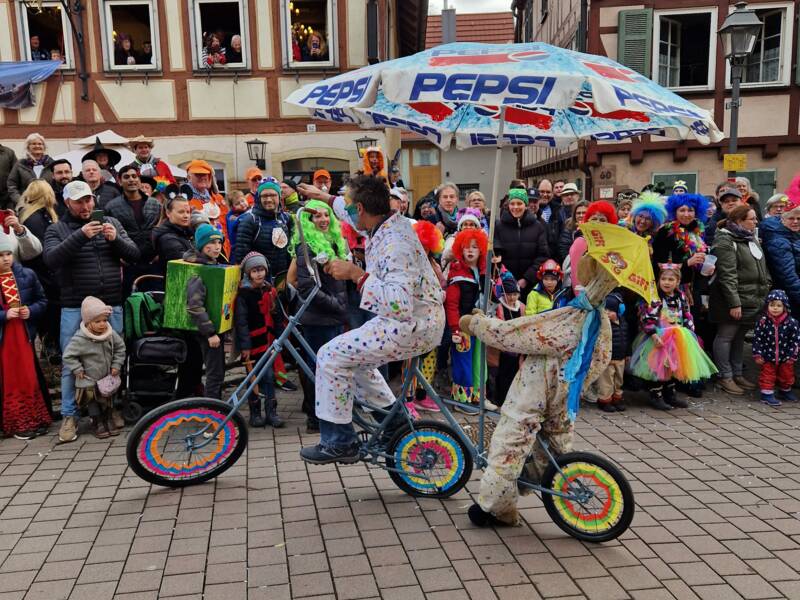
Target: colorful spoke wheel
[596,504]
[185,442]
[429,460]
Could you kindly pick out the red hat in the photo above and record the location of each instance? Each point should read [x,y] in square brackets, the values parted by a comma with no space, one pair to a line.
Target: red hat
[603,208]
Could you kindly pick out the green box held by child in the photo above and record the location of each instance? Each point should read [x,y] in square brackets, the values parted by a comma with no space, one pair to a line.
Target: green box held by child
[221,282]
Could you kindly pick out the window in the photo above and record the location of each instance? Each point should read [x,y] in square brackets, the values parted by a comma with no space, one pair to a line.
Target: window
[669,179]
[764,64]
[763,182]
[425,157]
[466,188]
[130,30]
[683,44]
[220,34]
[309,33]
[46,33]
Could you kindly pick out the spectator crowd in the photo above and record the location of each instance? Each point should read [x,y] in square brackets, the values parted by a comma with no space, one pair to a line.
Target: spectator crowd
[74,246]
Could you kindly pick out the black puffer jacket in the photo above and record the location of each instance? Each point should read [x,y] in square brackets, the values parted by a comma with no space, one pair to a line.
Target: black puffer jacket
[105,193]
[121,210]
[171,242]
[87,267]
[254,233]
[554,228]
[329,306]
[38,223]
[522,243]
[619,330]
[7,161]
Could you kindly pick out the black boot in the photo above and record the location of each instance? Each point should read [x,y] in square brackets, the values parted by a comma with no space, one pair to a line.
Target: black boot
[271,413]
[256,420]
[671,397]
[657,400]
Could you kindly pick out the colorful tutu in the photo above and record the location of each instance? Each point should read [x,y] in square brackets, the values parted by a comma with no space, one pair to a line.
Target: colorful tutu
[681,357]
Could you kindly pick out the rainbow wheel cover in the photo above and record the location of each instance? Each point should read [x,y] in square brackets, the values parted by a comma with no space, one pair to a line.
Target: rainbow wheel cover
[409,450]
[218,449]
[595,477]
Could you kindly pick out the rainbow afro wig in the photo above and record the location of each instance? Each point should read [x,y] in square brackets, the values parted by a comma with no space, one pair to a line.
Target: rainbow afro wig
[652,205]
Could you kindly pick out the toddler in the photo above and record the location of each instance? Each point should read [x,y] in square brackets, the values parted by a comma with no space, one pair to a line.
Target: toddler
[507,292]
[549,293]
[776,344]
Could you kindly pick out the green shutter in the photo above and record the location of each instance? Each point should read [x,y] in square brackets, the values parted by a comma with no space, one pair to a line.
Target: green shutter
[634,39]
[763,183]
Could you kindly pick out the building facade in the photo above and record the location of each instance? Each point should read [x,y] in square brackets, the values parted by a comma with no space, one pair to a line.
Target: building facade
[201,76]
[675,42]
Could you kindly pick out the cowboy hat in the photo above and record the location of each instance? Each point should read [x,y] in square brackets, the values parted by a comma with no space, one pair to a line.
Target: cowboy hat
[140,139]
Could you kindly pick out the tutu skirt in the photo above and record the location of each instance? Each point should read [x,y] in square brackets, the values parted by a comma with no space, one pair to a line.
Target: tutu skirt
[680,357]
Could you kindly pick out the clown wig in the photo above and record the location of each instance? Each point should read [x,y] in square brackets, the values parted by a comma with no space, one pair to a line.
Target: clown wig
[696,201]
[601,207]
[651,205]
[328,242]
[430,237]
[463,239]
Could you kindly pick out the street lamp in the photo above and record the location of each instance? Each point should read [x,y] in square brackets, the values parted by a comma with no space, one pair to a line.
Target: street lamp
[739,33]
[363,143]
[257,151]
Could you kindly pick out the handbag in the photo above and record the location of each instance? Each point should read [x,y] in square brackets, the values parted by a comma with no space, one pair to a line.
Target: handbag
[108,385]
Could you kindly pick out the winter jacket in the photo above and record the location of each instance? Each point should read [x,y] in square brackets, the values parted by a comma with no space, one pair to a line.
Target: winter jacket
[777,340]
[782,248]
[31,295]
[196,296]
[740,279]
[37,224]
[104,194]
[462,294]
[94,357]
[253,319]
[554,228]
[255,233]
[7,161]
[522,244]
[539,300]
[619,329]
[565,241]
[171,242]
[666,248]
[232,224]
[25,247]
[140,233]
[87,267]
[329,306]
[22,174]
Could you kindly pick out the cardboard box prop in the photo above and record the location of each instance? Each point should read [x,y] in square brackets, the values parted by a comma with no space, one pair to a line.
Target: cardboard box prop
[221,281]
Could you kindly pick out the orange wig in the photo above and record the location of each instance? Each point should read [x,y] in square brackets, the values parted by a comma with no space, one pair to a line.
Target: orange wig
[463,239]
[430,237]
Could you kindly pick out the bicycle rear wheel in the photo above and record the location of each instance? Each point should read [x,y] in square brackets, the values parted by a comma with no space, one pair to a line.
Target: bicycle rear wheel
[162,446]
[606,509]
[430,460]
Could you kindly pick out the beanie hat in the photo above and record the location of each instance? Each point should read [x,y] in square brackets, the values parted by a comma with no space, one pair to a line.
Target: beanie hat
[778,295]
[251,261]
[518,194]
[6,243]
[269,185]
[93,308]
[505,284]
[204,235]
[469,215]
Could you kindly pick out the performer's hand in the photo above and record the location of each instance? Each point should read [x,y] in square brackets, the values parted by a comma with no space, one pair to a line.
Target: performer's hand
[314,193]
[343,270]
[658,342]
[214,341]
[114,372]
[759,361]
[456,338]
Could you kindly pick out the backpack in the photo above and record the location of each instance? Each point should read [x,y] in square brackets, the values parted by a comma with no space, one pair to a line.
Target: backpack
[142,315]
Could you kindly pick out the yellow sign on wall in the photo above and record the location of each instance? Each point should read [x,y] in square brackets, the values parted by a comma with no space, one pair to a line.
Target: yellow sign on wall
[734,162]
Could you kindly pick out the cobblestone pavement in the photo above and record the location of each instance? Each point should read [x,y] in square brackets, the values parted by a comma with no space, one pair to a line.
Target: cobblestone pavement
[718,516]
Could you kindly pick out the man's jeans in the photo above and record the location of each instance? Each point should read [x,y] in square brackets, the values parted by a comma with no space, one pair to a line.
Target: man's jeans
[70,323]
[337,435]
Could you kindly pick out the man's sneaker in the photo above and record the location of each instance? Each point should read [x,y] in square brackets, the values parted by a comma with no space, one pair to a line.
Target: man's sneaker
[489,405]
[787,395]
[770,399]
[68,431]
[25,435]
[322,454]
[427,404]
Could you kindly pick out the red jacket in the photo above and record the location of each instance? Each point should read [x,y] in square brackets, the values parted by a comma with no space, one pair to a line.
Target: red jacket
[462,293]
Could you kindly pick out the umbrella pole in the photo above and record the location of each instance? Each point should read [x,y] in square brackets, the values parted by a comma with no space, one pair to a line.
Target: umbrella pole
[487,282]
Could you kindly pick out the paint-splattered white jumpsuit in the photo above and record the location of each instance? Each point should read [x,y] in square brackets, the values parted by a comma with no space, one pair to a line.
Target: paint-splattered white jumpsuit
[405,295]
[536,401]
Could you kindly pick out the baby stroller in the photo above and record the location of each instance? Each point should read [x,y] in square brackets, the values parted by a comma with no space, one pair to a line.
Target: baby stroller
[153,354]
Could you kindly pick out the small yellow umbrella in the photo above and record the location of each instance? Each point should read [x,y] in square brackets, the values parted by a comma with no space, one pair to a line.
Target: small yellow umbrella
[623,254]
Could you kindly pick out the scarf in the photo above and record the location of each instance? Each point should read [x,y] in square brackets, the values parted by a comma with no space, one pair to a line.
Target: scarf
[449,220]
[740,231]
[577,366]
[204,196]
[97,338]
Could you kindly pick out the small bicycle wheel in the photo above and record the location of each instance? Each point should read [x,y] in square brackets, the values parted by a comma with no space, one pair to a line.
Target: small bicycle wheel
[132,412]
[600,507]
[430,460]
[162,447]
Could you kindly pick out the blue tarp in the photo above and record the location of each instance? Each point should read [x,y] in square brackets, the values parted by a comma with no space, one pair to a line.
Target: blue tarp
[16,79]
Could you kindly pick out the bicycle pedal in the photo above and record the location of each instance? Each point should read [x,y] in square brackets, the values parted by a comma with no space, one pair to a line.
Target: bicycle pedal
[364,437]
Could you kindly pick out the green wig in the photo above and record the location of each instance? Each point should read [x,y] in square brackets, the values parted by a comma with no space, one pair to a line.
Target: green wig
[320,242]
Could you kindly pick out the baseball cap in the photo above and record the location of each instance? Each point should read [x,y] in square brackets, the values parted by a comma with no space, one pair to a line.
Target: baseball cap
[731,192]
[570,188]
[75,190]
[200,166]
[321,173]
[533,194]
[252,173]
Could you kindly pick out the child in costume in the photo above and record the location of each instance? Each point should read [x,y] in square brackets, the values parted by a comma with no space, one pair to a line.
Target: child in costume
[776,344]
[22,303]
[667,349]
[207,249]
[507,292]
[609,385]
[550,292]
[462,295]
[432,242]
[254,324]
[93,354]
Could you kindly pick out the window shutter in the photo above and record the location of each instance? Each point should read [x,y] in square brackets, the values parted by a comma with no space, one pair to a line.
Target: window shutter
[634,39]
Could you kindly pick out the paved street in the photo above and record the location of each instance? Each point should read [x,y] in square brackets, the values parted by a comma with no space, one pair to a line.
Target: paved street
[718,516]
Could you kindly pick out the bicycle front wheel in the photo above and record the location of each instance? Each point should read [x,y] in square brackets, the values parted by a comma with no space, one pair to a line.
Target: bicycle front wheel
[599,506]
[163,446]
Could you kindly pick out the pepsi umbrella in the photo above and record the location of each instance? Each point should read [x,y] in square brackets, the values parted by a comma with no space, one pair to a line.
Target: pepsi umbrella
[506,95]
